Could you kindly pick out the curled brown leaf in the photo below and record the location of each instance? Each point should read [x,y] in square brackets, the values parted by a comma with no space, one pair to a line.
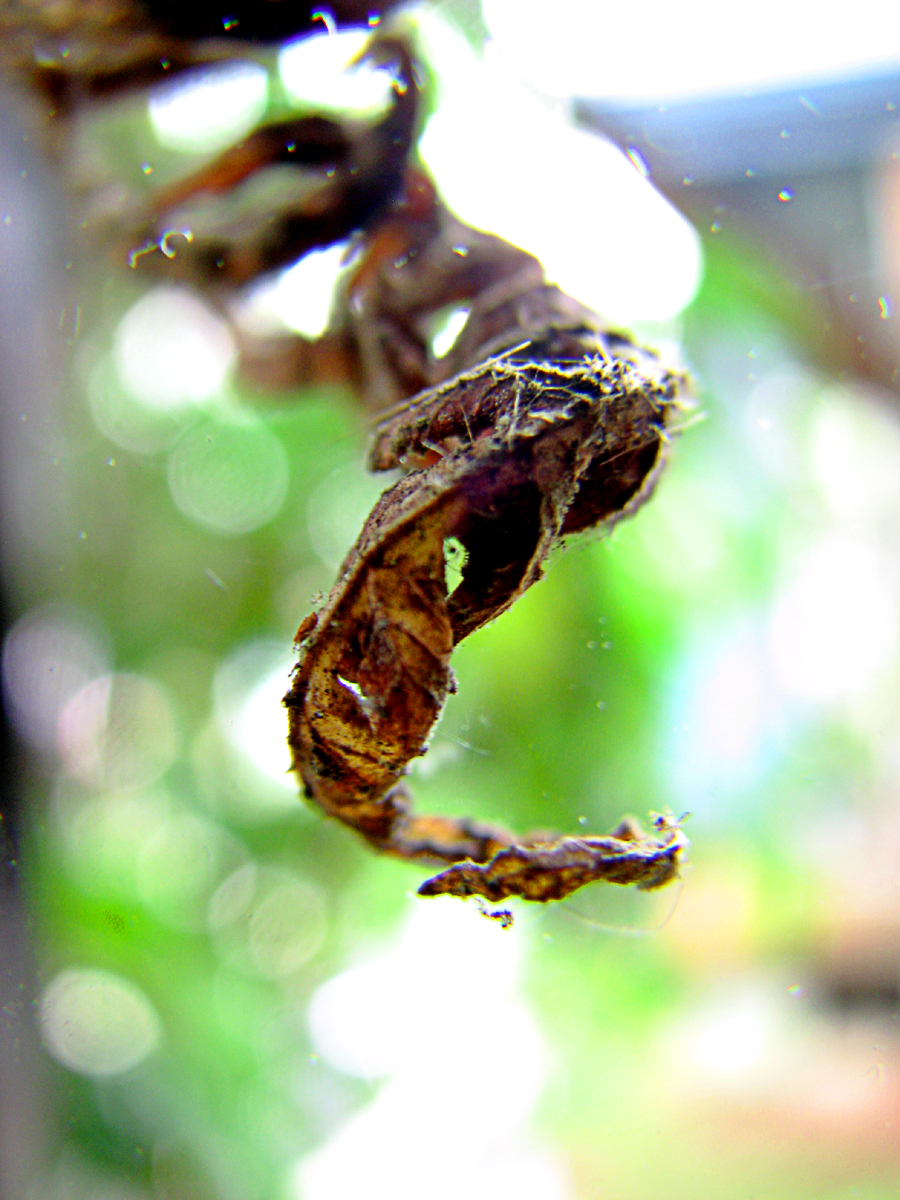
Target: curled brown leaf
[505,459]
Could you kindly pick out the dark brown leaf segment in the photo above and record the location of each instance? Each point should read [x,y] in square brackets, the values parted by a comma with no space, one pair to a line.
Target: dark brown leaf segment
[507,458]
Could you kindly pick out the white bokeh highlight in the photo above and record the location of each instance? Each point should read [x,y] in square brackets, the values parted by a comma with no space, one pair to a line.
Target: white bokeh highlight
[834,626]
[438,1019]
[248,689]
[180,864]
[206,110]
[170,350]
[855,452]
[303,293]
[734,1040]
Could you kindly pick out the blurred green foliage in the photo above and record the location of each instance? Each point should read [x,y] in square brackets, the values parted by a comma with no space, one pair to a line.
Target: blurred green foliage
[577,706]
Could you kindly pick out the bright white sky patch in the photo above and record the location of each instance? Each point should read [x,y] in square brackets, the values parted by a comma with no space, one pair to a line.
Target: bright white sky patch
[261,727]
[730,1042]
[856,449]
[732,704]
[316,70]
[834,628]
[448,331]
[508,163]
[248,689]
[374,1019]
[305,292]
[206,110]
[654,49]
[434,1013]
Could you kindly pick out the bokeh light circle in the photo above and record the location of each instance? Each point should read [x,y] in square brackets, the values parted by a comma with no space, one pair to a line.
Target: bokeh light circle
[97,1023]
[49,655]
[180,865]
[267,922]
[170,350]
[229,477]
[127,421]
[118,732]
